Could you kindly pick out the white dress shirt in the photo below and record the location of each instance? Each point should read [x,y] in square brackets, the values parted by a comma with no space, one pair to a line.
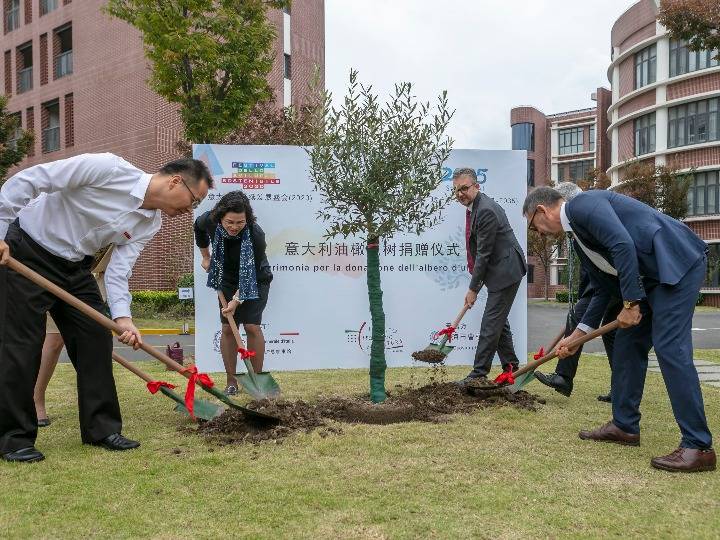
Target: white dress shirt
[75,206]
[597,259]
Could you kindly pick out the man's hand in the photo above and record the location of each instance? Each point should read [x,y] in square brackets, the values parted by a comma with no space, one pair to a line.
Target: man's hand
[130,335]
[629,317]
[205,264]
[562,346]
[4,252]
[470,298]
[229,311]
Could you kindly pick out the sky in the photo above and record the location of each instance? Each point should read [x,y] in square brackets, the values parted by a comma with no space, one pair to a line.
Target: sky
[490,55]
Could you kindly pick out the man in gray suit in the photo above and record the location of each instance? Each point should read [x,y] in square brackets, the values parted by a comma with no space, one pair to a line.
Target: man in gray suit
[496,260]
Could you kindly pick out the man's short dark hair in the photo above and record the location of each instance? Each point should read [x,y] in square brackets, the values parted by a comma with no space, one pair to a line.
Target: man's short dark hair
[193,170]
[465,171]
[540,195]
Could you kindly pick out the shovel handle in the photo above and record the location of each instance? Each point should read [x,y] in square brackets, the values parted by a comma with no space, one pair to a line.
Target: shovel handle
[531,366]
[460,316]
[127,365]
[555,341]
[95,315]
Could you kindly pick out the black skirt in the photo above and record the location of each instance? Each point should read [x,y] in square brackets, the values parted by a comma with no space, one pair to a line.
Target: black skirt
[250,311]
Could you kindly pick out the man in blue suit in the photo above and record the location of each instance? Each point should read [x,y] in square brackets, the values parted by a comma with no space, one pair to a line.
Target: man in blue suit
[656,265]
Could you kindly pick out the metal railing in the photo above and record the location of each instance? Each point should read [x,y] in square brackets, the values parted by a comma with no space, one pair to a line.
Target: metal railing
[25,80]
[46,6]
[63,64]
[51,139]
[12,18]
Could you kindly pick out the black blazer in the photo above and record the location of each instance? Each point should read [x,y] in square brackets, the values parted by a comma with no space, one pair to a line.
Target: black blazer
[499,259]
[205,227]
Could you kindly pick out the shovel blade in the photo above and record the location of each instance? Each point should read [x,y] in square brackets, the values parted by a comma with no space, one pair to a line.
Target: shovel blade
[521,381]
[202,408]
[444,349]
[260,386]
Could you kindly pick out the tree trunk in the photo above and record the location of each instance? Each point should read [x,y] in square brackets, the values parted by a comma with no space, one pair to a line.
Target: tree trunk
[547,281]
[377,316]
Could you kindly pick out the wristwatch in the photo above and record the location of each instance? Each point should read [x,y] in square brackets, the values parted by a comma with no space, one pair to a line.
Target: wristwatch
[627,304]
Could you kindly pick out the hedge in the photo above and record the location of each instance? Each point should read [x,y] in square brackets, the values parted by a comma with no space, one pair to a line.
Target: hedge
[562,296]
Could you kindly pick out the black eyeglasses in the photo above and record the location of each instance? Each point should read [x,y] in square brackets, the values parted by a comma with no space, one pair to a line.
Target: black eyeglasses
[195,201]
[530,223]
[463,189]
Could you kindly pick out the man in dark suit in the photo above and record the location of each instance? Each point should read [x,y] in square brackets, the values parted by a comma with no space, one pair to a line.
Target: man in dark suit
[562,379]
[496,260]
[657,265]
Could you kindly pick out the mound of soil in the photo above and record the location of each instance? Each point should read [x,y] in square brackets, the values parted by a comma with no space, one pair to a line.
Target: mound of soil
[431,403]
[428,355]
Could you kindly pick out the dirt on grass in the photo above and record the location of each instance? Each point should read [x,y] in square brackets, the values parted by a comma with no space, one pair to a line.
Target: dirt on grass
[431,403]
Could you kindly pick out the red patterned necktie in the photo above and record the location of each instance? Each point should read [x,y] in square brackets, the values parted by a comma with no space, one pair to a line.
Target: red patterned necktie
[470,257]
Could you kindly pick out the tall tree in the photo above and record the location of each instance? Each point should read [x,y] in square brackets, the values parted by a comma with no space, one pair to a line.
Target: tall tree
[375,167]
[695,21]
[209,56]
[546,249]
[15,142]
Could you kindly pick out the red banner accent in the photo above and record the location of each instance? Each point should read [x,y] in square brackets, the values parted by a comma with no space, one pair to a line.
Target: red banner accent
[449,331]
[195,377]
[246,353]
[154,386]
[538,355]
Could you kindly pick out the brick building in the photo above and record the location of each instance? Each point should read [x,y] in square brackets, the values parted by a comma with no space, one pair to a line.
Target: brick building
[561,147]
[76,78]
[663,108]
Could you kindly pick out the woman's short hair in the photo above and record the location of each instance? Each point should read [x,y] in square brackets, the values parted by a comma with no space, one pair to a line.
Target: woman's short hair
[235,201]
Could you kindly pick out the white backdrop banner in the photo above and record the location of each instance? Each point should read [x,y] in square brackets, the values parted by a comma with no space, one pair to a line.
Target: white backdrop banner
[318,313]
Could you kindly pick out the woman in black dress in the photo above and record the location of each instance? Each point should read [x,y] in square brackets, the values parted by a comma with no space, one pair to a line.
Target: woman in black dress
[238,266]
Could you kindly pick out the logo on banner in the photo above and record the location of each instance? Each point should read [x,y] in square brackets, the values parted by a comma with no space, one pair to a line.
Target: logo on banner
[251,175]
[481,174]
[363,338]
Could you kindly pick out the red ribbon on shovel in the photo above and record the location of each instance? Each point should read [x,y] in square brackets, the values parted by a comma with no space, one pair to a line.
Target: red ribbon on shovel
[506,376]
[449,331]
[154,386]
[245,353]
[538,355]
[203,378]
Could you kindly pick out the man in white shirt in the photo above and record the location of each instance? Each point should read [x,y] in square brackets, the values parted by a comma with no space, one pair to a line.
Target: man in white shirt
[53,218]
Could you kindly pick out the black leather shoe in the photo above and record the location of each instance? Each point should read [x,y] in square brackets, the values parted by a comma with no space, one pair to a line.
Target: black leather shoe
[44,422]
[604,398]
[24,455]
[557,382]
[117,442]
[469,380]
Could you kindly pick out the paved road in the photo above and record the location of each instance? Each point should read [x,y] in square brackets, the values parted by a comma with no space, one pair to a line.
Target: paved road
[544,322]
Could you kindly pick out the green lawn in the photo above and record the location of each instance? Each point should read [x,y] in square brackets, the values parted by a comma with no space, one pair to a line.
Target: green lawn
[498,473]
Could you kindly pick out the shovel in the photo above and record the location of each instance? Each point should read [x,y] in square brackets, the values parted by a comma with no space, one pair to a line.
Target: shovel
[258,385]
[202,408]
[17,266]
[502,381]
[436,352]
[525,378]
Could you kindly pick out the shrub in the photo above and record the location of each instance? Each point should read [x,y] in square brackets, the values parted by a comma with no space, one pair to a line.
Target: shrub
[561,296]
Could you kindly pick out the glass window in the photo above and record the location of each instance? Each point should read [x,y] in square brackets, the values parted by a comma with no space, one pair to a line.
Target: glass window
[12,15]
[570,140]
[523,136]
[575,170]
[703,194]
[683,60]
[645,134]
[531,172]
[645,66]
[288,67]
[694,123]
[64,57]
[592,138]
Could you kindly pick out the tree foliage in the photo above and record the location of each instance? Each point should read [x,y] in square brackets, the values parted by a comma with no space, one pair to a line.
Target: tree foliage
[661,187]
[15,142]
[695,21]
[211,57]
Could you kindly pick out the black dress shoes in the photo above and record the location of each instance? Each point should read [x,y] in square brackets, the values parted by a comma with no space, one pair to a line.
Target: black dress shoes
[557,382]
[117,442]
[24,455]
[604,398]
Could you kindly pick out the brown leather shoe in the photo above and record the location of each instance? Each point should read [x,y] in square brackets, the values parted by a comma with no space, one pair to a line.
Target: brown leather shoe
[686,460]
[611,433]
